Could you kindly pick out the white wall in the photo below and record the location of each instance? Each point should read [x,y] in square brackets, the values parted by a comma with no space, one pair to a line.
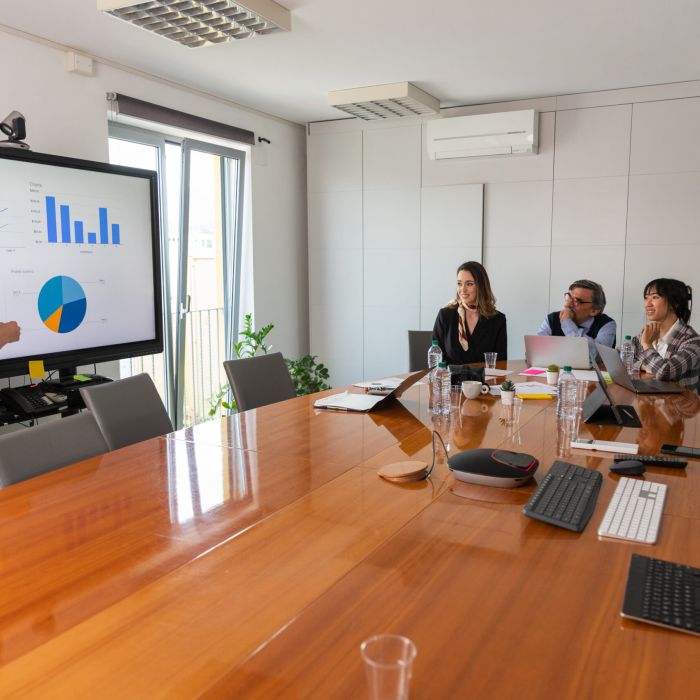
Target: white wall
[613,195]
[67,115]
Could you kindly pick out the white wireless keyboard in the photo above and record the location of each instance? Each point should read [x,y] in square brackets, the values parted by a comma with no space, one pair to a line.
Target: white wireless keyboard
[635,511]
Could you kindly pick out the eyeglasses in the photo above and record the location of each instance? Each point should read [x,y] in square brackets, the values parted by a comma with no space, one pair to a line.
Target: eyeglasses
[578,302]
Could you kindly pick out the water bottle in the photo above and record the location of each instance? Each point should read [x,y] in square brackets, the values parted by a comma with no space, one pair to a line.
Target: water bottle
[442,390]
[627,354]
[434,357]
[566,393]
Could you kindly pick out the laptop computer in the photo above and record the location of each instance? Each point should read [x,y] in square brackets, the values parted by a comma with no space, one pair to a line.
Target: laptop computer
[613,363]
[600,407]
[363,402]
[544,350]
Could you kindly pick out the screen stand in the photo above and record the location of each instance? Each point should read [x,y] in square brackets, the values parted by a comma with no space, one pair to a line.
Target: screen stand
[597,411]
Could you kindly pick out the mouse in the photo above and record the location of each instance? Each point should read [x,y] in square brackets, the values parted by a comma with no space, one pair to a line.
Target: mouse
[628,467]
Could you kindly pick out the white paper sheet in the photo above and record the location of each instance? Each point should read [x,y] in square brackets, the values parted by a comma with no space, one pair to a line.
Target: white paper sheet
[348,401]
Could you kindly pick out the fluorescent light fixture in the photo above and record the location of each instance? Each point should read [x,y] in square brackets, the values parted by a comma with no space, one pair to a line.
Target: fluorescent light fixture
[195,23]
[384,101]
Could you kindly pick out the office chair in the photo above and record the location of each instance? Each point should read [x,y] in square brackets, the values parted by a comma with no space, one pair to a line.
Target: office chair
[418,344]
[259,381]
[127,410]
[34,451]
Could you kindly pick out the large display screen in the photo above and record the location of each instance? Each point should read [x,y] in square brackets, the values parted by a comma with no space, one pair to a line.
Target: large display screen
[79,261]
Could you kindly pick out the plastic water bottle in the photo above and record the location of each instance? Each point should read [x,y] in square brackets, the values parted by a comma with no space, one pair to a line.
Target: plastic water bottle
[566,393]
[442,390]
[627,354]
[434,356]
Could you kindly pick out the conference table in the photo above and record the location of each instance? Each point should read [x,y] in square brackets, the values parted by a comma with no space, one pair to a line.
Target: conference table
[249,556]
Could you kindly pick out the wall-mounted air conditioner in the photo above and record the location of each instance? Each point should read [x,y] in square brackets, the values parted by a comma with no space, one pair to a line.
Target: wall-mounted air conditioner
[481,135]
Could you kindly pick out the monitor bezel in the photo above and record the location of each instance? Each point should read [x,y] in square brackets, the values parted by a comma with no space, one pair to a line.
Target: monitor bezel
[18,366]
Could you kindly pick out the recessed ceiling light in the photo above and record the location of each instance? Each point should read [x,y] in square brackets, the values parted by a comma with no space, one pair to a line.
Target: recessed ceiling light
[195,23]
[384,101]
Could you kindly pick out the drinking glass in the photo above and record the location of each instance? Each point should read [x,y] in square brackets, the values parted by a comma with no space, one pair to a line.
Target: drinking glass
[490,359]
[388,662]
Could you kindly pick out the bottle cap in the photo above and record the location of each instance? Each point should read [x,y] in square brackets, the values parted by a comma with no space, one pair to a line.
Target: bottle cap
[567,368]
[442,364]
[628,337]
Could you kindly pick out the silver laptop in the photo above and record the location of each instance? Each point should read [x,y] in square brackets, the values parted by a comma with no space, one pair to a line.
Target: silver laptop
[544,350]
[613,363]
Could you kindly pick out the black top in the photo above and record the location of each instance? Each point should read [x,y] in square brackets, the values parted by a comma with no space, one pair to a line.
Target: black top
[598,322]
[489,336]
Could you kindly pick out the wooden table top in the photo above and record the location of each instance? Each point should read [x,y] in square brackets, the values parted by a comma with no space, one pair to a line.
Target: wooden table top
[249,557]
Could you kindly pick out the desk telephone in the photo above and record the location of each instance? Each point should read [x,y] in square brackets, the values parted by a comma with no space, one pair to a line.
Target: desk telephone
[33,400]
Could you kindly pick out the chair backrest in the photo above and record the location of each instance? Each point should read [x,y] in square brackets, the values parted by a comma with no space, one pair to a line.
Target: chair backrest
[127,410]
[33,451]
[418,344]
[258,381]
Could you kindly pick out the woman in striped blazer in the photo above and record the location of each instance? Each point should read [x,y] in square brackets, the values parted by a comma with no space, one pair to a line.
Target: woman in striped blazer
[668,347]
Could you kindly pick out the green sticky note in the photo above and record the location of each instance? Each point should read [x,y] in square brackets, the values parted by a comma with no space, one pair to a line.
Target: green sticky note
[81,378]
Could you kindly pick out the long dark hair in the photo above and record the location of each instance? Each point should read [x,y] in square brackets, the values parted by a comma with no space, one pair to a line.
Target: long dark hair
[485,300]
[678,295]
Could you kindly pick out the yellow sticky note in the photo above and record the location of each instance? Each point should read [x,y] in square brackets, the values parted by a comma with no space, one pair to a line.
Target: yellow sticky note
[36,369]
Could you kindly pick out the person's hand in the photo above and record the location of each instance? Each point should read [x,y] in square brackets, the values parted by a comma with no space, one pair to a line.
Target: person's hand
[566,314]
[650,333]
[9,333]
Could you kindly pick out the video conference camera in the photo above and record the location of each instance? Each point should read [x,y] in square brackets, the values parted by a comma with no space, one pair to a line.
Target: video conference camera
[14,126]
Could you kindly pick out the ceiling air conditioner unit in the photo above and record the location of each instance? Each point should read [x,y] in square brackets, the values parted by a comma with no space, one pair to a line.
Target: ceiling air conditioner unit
[482,135]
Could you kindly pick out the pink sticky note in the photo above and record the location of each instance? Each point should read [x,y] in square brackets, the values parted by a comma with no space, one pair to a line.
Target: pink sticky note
[534,371]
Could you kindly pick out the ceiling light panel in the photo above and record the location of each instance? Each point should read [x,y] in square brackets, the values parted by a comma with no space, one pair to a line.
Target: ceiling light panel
[384,101]
[196,23]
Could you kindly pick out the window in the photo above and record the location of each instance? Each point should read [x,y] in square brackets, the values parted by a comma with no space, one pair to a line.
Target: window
[202,186]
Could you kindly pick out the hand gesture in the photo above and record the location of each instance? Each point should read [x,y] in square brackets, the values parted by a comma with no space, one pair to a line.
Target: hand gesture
[566,314]
[650,333]
[9,333]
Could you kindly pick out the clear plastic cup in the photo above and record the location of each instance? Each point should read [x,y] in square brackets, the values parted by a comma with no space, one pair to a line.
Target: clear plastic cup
[490,359]
[388,660]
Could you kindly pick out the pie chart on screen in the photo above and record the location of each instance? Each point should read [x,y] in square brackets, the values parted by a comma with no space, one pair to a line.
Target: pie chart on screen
[62,304]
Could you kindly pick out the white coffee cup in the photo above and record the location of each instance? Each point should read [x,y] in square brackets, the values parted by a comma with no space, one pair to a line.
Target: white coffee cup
[474,389]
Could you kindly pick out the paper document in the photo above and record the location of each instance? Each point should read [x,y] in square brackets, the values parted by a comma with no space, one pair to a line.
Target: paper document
[589,375]
[525,388]
[493,372]
[349,402]
[388,383]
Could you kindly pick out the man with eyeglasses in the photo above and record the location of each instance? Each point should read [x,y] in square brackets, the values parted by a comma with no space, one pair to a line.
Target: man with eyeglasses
[582,315]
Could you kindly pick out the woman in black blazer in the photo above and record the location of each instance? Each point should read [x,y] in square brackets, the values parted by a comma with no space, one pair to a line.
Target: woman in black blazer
[470,325]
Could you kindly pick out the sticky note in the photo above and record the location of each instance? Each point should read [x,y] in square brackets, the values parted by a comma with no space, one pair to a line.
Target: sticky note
[36,369]
[81,378]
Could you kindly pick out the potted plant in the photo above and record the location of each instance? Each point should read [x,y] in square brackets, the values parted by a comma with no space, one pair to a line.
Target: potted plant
[553,374]
[507,392]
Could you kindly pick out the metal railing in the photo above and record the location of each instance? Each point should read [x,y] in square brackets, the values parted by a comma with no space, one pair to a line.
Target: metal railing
[203,367]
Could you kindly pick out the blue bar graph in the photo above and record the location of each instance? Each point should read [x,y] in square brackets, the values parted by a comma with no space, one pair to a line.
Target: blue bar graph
[65,223]
[51,219]
[64,220]
[104,237]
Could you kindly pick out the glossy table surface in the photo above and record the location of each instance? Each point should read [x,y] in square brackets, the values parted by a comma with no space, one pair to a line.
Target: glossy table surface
[250,556]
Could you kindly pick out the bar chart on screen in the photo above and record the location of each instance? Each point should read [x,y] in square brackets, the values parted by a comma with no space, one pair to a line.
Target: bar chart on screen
[62,227]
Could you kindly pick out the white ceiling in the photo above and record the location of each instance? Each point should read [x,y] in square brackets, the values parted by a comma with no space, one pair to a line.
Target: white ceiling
[460,51]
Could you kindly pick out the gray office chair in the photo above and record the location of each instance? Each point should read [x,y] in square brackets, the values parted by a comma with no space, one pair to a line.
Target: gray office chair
[259,381]
[127,410]
[418,344]
[33,451]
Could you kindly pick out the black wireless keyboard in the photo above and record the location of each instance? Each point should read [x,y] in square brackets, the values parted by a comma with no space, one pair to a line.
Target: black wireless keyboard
[566,497]
[655,460]
[663,593]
